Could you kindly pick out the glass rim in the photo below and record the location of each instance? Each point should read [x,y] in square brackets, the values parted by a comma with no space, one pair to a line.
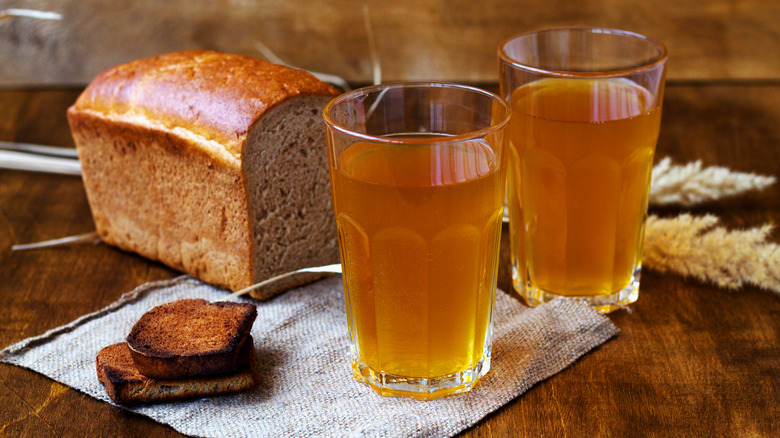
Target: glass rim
[436,139]
[660,60]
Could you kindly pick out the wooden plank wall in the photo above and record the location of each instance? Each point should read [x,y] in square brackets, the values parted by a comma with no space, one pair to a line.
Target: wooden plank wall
[433,39]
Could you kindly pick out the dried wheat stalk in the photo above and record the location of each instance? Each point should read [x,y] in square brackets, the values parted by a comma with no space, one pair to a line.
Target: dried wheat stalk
[698,247]
[29,13]
[690,184]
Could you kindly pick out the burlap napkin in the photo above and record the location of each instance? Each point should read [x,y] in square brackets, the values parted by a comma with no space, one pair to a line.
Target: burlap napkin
[307,388]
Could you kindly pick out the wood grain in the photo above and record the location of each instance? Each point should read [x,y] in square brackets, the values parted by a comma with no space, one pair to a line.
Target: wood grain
[453,40]
[691,359]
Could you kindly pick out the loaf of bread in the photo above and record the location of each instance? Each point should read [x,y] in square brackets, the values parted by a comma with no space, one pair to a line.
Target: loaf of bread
[214,164]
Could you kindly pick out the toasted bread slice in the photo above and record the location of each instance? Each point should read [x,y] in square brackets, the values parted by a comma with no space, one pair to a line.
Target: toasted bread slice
[191,337]
[126,385]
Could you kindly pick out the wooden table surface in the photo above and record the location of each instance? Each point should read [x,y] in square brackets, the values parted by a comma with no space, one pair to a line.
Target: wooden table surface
[691,359]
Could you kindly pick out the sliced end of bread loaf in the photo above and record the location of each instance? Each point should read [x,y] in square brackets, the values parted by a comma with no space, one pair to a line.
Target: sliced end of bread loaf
[285,163]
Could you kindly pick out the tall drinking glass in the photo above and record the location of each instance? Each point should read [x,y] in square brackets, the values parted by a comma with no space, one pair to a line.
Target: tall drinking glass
[418,178]
[586,111]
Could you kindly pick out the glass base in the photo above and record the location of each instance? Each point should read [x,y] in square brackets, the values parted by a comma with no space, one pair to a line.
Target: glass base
[535,296]
[421,388]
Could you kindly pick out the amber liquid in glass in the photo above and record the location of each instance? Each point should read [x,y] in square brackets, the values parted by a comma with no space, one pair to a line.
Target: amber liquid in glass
[581,154]
[419,229]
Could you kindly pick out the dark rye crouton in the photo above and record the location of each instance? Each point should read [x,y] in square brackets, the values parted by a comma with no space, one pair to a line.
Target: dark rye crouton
[126,385]
[191,337]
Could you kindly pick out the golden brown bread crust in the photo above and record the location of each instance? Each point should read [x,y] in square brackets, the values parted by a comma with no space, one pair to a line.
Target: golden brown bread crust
[217,96]
[141,201]
[190,337]
[125,384]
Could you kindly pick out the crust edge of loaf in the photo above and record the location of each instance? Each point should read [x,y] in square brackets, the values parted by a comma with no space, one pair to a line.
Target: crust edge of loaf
[201,91]
[124,169]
